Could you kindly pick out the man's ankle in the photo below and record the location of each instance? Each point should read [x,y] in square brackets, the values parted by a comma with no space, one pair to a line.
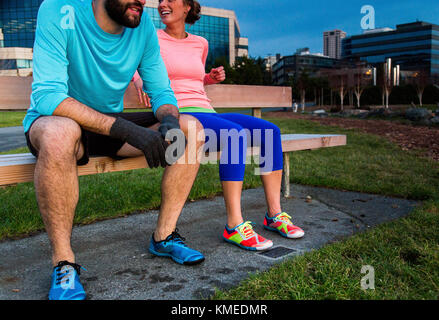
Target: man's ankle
[161,235]
[59,258]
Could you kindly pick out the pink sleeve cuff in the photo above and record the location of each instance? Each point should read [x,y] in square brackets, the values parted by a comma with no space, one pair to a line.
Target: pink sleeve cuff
[208,80]
[136,77]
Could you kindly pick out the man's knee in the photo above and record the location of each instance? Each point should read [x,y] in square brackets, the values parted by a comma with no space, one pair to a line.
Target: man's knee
[56,137]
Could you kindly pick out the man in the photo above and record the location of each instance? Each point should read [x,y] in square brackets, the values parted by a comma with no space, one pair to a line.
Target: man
[85,54]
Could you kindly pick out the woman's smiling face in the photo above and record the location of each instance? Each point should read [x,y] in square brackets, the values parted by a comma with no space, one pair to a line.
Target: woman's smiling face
[172,11]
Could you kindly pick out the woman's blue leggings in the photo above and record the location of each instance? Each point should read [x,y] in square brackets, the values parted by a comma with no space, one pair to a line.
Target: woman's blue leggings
[233,132]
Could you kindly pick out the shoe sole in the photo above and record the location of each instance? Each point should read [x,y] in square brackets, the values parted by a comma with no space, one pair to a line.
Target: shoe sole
[283,234]
[248,248]
[179,261]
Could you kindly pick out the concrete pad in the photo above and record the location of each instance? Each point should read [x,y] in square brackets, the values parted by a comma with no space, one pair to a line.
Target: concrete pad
[12,138]
[114,252]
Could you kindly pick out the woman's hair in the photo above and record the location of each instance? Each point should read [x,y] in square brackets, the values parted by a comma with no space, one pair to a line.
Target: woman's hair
[194,13]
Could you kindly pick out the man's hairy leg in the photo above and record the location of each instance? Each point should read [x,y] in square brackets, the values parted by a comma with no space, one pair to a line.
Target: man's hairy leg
[177,179]
[57,140]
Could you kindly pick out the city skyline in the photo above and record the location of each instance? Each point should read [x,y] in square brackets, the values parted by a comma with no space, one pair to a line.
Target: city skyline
[283,26]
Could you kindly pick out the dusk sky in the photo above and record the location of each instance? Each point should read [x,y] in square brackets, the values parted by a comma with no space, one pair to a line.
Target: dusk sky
[282,26]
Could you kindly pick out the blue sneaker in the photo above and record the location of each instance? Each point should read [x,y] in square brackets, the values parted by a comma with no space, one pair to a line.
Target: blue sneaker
[66,284]
[174,247]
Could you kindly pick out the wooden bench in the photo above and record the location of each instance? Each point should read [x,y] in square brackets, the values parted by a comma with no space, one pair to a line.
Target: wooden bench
[17,168]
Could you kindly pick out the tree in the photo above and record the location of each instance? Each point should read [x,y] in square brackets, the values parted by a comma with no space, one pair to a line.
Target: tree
[245,71]
[361,80]
[386,81]
[302,82]
[248,71]
[420,80]
[230,72]
[338,81]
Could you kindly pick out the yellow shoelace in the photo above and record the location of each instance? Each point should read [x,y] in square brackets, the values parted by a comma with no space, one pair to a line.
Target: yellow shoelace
[246,229]
[284,217]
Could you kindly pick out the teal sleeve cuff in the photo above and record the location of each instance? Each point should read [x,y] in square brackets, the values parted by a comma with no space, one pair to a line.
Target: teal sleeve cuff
[47,104]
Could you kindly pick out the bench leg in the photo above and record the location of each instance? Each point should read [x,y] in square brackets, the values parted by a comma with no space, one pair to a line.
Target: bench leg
[286,175]
[257,112]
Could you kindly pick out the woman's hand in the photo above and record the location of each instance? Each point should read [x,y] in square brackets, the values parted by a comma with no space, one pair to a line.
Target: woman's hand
[218,74]
[143,97]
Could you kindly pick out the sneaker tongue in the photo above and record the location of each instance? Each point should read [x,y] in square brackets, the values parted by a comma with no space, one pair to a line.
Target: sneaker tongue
[65,265]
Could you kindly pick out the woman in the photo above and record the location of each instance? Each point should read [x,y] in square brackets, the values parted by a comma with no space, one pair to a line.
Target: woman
[185,56]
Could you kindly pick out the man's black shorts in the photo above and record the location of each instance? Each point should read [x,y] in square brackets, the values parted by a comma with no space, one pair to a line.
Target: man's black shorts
[100,145]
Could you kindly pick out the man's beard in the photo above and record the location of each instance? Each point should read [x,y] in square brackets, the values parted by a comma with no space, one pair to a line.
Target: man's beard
[118,13]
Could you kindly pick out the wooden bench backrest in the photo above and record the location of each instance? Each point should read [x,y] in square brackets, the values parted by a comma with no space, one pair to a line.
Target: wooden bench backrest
[15,95]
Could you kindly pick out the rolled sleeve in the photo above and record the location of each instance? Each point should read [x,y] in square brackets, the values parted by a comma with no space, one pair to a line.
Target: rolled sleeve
[49,87]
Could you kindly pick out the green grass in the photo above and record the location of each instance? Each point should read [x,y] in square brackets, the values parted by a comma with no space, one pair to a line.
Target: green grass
[18,150]
[11,118]
[404,253]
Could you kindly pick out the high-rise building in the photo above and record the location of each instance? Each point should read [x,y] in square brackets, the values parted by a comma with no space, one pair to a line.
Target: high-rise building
[412,46]
[220,27]
[332,43]
[271,60]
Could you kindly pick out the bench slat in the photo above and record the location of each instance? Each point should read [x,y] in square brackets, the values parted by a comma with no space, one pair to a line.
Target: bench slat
[17,168]
[298,142]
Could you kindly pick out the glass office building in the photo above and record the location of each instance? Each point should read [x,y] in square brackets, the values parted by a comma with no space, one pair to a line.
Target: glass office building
[413,46]
[303,61]
[18,20]
[17,33]
[220,27]
[214,29]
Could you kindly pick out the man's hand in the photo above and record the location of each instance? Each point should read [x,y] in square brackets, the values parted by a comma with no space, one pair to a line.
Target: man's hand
[149,141]
[218,74]
[170,122]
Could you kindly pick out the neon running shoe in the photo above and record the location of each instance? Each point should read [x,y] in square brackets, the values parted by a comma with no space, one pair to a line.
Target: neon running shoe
[282,223]
[175,248]
[245,237]
[66,284]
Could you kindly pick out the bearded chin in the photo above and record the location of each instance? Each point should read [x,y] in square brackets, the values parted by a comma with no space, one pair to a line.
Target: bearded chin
[117,12]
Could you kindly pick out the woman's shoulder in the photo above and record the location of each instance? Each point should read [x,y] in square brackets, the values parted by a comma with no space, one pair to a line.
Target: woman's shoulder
[199,39]
[160,33]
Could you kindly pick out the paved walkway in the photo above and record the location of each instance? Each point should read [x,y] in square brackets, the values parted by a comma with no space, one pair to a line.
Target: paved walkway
[119,266]
[11,138]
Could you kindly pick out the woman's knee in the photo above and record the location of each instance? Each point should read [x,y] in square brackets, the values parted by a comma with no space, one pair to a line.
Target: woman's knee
[192,128]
